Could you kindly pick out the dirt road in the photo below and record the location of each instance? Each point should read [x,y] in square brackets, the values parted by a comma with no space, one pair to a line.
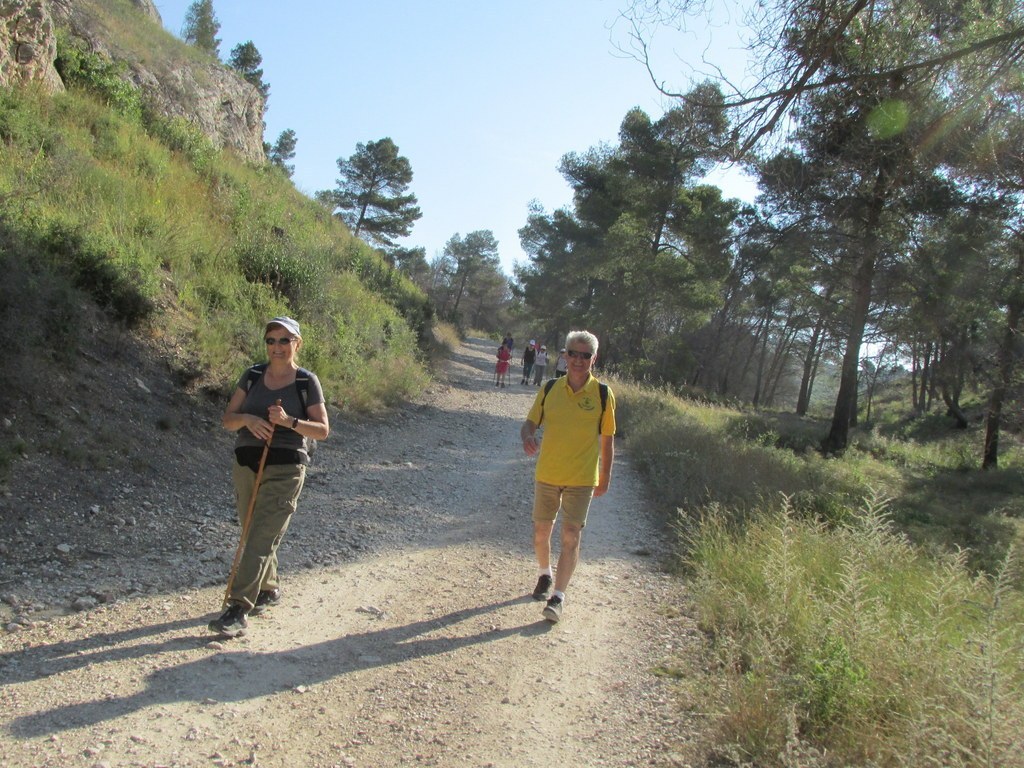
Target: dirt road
[406,634]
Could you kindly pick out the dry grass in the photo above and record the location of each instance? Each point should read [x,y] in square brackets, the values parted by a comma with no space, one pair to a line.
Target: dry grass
[837,639]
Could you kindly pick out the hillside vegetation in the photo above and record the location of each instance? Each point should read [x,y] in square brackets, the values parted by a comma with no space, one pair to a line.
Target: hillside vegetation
[102,201]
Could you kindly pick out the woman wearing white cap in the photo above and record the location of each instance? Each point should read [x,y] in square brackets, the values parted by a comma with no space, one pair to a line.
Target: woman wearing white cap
[277,409]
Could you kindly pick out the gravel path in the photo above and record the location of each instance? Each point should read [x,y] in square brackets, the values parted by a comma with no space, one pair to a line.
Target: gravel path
[406,634]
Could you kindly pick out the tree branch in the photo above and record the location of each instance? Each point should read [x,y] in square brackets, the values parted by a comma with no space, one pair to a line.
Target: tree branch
[769,107]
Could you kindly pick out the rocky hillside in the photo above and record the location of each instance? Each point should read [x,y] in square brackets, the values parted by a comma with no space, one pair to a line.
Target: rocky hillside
[177,82]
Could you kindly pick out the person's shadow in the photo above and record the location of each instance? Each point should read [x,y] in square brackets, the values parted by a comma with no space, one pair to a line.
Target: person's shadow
[232,677]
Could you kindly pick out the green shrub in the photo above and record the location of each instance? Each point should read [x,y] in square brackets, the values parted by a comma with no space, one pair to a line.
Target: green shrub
[833,682]
[179,135]
[98,74]
[289,274]
[24,122]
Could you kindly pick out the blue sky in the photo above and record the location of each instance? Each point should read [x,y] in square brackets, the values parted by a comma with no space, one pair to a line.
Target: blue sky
[482,96]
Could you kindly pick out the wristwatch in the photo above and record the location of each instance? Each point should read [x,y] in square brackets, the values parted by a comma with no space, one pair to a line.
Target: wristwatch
[295,422]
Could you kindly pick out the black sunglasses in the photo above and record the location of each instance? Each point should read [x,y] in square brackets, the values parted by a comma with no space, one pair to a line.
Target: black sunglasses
[281,342]
[584,355]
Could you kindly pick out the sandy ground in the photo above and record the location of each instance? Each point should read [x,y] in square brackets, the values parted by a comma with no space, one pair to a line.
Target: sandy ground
[419,646]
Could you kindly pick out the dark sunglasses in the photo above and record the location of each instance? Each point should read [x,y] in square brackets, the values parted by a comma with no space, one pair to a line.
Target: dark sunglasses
[280,342]
[583,355]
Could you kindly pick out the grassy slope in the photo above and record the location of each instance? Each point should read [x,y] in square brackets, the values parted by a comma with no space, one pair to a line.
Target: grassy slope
[847,623]
[190,247]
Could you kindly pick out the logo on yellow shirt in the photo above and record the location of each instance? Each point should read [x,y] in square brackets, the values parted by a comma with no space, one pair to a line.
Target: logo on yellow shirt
[587,403]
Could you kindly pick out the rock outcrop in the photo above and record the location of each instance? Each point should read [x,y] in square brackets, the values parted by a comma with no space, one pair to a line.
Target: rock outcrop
[226,108]
[147,7]
[204,91]
[28,44]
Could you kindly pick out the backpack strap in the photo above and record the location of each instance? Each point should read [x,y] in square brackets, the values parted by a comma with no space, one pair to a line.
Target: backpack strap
[302,385]
[547,388]
[255,373]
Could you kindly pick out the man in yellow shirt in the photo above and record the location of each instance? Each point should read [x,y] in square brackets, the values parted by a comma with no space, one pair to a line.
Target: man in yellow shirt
[575,462]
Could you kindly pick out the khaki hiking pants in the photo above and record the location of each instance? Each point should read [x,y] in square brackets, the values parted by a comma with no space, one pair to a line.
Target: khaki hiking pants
[276,499]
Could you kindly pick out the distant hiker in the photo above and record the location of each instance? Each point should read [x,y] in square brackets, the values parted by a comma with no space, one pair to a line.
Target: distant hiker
[289,427]
[574,466]
[507,341]
[529,355]
[502,366]
[561,364]
[540,362]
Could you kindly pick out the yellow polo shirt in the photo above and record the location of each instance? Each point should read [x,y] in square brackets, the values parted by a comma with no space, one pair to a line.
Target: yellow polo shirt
[570,448]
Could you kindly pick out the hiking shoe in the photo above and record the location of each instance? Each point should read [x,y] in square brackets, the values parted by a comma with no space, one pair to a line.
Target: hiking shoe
[267,598]
[540,592]
[231,623]
[553,610]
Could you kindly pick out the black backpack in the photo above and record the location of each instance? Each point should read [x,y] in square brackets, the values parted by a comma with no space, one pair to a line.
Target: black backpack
[601,387]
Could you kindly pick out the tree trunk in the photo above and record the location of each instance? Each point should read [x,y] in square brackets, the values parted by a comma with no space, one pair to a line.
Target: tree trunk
[855,404]
[778,366]
[803,401]
[953,408]
[739,337]
[814,370]
[950,383]
[755,343]
[711,350]
[458,296]
[839,434]
[933,378]
[863,279]
[1007,353]
[762,357]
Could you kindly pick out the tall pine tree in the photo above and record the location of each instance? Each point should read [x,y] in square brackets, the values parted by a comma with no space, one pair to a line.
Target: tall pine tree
[370,197]
[201,27]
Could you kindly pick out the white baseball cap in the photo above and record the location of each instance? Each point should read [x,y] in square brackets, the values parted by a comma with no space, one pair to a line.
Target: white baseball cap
[285,322]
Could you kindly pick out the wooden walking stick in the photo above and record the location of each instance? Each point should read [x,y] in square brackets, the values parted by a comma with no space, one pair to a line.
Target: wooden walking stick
[247,522]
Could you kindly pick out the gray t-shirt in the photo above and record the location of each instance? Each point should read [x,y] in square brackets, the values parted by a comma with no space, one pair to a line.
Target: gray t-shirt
[259,399]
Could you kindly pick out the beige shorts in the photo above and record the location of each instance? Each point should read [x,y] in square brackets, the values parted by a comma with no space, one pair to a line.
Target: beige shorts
[573,500]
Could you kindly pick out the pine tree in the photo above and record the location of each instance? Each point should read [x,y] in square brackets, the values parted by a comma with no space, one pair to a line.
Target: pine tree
[370,193]
[201,27]
[246,59]
[283,151]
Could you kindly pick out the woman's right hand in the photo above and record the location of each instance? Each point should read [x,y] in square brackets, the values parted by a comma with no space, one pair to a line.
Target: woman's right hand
[261,429]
